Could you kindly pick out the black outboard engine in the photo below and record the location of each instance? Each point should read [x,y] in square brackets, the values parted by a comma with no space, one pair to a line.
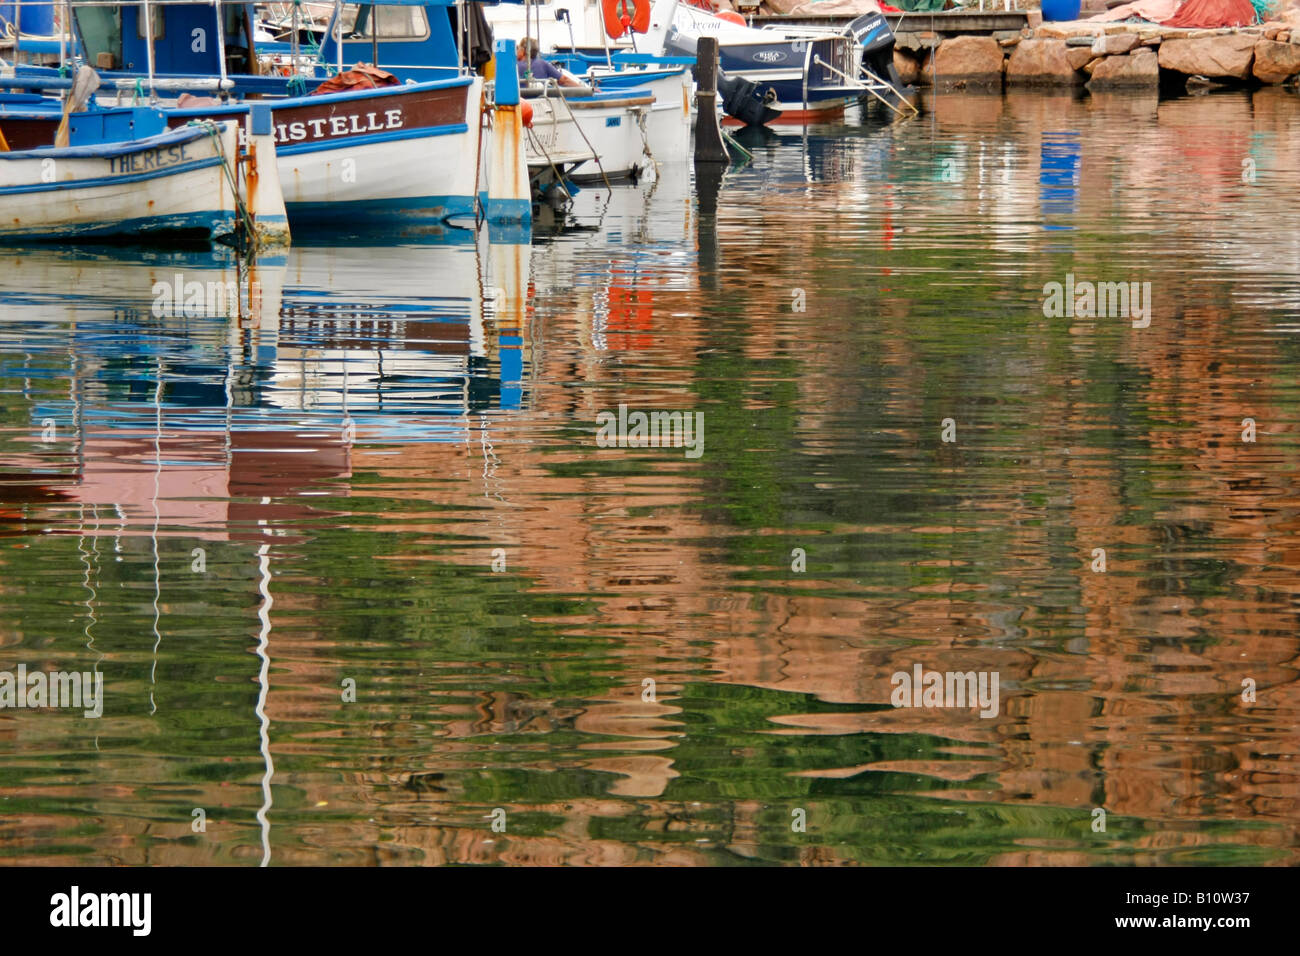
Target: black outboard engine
[742,100]
[872,30]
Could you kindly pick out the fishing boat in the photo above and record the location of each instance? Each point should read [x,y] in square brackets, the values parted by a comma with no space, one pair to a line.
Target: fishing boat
[125,174]
[613,66]
[624,116]
[370,151]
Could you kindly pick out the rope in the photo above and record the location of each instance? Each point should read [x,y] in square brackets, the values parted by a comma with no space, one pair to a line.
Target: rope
[483,112]
[296,86]
[559,177]
[730,141]
[578,126]
[241,208]
[645,142]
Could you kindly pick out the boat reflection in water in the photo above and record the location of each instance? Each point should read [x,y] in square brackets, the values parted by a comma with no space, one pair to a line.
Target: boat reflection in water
[209,407]
[500,588]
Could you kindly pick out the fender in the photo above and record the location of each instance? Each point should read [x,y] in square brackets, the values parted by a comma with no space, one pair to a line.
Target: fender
[623,15]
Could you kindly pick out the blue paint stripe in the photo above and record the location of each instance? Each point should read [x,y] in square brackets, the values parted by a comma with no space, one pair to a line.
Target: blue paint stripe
[450,129]
[409,208]
[160,228]
[509,210]
[111,180]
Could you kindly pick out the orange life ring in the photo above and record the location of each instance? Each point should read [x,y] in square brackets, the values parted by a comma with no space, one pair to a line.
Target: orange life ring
[730,16]
[622,15]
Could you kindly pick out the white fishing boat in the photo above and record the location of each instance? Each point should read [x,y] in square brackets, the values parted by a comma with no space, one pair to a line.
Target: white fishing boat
[190,183]
[616,132]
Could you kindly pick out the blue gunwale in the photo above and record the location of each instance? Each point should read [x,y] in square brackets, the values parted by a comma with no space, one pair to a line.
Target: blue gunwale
[174,137]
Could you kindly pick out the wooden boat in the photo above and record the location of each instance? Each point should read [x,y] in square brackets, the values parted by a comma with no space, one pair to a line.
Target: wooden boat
[189,183]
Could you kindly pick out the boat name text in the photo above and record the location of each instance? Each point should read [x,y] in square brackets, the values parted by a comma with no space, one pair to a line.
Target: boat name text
[328,128]
[142,162]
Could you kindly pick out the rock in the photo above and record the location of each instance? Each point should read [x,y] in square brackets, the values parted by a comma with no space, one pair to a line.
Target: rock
[1009,41]
[1225,56]
[1114,44]
[1033,19]
[924,72]
[908,67]
[1275,62]
[968,61]
[1040,62]
[1060,29]
[1080,41]
[1092,64]
[1078,56]
[1272,29]
[1141,68]
[907,41]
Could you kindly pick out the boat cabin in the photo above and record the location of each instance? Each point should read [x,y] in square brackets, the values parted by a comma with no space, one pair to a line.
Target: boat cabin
[195,44]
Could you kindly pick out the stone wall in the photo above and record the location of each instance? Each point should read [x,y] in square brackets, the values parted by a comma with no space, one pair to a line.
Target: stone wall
[1104,56]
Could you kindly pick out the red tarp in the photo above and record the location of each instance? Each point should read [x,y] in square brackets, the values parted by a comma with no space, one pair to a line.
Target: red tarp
[1213,13]
[365,76]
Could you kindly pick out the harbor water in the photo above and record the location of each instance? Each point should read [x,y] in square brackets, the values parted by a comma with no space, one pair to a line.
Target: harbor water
[366,583]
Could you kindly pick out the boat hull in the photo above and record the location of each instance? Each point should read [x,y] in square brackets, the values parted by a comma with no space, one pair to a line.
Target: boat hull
[173,186]
[408,151]
[668,121]
[610,126]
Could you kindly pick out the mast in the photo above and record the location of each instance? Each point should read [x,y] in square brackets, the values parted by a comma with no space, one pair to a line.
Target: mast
[148,19]
[338,31]
[221,41]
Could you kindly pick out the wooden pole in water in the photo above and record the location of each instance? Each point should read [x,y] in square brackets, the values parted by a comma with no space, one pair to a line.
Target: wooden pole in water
[709,147]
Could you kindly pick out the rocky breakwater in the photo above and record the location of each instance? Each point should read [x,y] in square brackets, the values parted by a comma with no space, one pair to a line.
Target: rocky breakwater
[1104,56]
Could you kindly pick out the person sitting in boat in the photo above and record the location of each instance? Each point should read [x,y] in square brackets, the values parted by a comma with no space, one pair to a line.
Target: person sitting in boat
[541,70]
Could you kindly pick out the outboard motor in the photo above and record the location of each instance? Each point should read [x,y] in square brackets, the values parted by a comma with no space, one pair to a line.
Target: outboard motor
[742,100]
[872,30]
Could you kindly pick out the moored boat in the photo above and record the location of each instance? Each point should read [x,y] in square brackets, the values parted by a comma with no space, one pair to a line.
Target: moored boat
[411,150]
[189,183]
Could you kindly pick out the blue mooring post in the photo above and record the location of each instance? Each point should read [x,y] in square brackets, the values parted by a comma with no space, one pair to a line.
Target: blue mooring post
[507,79]
[259,119]
[509,199]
